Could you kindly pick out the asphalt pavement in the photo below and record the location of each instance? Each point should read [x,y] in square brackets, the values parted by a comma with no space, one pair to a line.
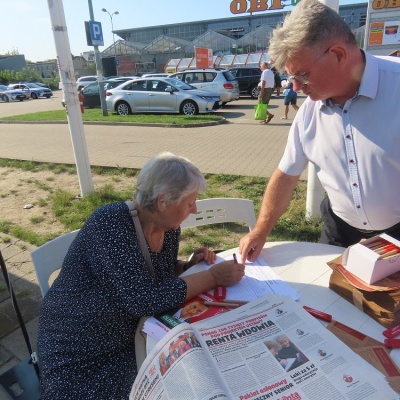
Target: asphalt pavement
[241,146]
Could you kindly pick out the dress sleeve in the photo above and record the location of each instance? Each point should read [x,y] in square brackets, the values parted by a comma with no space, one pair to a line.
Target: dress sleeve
[114,258]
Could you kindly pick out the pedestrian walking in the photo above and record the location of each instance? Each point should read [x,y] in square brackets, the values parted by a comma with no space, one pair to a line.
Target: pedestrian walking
[290,98]
[266,85]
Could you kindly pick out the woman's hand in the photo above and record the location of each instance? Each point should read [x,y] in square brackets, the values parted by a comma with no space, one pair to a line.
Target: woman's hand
[202,254]
[227,273]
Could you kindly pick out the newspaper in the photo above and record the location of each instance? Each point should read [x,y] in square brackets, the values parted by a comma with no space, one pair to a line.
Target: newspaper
[244,354]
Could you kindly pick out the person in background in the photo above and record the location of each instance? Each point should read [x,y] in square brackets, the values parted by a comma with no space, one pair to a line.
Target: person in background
[90,314]
[266,85]
[346,128]
[278,81]
[290,97]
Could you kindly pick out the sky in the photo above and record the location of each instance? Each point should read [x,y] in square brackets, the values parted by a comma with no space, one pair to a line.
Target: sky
[26,26]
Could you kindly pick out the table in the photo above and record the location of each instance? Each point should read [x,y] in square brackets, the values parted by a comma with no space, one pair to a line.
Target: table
[304,266]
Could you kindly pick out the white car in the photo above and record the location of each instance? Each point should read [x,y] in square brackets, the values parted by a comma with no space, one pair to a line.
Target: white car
[83,81]
[160,95]
[220,81]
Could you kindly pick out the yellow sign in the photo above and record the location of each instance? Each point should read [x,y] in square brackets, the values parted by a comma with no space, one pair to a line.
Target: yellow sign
[243,6]
[387,4]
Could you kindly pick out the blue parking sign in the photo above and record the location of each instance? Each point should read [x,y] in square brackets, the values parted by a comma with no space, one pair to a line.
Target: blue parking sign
[96,33]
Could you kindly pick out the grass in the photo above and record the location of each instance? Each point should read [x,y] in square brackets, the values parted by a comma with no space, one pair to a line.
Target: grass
[72,212]
[96,115]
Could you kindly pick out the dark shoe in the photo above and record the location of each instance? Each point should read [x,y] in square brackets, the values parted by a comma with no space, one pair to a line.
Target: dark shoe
[270,116]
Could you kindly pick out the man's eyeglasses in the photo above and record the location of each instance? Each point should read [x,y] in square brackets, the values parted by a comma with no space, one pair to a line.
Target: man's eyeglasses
[303,78]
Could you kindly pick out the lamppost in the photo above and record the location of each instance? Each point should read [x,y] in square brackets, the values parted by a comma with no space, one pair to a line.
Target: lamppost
[112,28]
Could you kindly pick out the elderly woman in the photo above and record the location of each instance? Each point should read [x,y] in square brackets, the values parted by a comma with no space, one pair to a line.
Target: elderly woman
[90,314]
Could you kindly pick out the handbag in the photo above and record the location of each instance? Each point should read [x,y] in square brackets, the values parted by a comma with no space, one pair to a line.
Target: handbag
[22,381]
[140,337]
[260,111]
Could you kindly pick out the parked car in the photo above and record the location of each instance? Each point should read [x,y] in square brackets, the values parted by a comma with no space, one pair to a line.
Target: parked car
[220,81]
[84,81]
[161,95]
[31,90]
[248,79]
[7,94]
[46,91]
[91,95]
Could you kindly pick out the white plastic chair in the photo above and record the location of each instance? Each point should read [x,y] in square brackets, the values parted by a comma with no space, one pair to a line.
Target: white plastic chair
[220,210]
[49,257]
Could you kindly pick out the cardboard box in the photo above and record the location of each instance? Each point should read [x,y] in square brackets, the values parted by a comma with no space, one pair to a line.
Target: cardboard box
[368,264]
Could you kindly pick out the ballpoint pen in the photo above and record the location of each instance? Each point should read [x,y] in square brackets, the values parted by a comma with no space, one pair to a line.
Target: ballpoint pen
[234,258]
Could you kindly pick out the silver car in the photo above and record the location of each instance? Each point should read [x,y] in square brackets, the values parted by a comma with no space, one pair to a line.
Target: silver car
[160,95]
[220,81]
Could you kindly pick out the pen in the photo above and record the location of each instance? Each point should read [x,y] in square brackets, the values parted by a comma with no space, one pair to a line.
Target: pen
[235,301]
[234,258]
[221,304]
[318,314]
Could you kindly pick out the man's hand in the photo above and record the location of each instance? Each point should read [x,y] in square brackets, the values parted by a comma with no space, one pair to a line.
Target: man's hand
[251,245]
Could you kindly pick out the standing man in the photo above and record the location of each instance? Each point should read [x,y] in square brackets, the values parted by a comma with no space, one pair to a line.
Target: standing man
[266,85]
[348,127]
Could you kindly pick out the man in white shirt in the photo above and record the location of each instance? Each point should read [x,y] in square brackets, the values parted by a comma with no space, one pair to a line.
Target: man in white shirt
[266,85]
[348,127]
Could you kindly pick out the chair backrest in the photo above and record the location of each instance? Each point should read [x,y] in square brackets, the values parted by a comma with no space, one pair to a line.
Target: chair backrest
[49,257]
[219,210]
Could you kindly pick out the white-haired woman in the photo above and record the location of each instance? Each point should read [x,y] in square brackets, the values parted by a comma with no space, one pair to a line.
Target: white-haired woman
[89,316]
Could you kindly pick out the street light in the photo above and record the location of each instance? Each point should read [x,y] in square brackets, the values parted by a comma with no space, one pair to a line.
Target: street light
[112,28]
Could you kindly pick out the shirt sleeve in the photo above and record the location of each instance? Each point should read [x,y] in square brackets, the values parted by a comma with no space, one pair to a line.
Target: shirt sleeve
[294,160]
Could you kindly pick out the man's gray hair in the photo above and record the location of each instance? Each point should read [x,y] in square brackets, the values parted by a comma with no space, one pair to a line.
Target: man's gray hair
[310,24]
[169,175]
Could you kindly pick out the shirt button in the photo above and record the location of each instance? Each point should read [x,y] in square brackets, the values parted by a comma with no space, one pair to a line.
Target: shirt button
[348,137]
[351,161]
[355,185]
[345,111]
[364,223]
[358,206]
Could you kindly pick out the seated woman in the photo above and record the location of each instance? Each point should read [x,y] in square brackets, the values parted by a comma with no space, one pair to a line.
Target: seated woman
[90,314]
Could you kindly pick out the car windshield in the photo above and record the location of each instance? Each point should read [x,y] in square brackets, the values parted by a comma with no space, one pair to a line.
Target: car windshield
[179,84]
[32,85]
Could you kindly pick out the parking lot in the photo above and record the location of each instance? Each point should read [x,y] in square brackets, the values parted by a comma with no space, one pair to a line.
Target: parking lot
[236,111]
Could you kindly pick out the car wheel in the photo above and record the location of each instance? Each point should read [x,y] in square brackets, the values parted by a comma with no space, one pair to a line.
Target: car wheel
[5,98]
[122,108]
[254,92]
[189,107]
[34,95]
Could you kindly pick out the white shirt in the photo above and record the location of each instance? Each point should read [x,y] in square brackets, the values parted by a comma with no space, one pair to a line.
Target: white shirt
[355,149]
[268,76]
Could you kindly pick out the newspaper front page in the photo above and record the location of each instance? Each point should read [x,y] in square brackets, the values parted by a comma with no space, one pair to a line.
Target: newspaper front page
[270,348]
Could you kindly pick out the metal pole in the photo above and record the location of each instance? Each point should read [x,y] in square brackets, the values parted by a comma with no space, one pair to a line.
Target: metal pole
[99,69]
[112,29]
[68,82]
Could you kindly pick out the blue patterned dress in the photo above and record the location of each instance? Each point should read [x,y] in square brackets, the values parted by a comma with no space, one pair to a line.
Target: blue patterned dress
[89,316]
